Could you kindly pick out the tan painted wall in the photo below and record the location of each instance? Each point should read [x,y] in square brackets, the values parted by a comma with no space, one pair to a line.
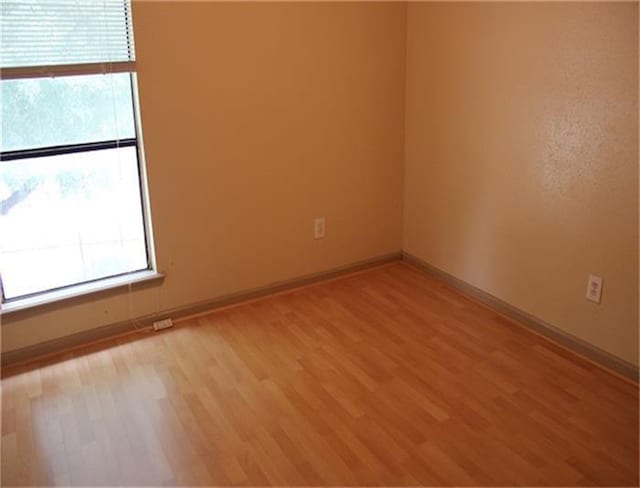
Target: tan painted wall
[258,118]
[521,159]
[521,168]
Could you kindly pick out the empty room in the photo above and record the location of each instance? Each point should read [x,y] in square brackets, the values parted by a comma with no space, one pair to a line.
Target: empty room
[319,243]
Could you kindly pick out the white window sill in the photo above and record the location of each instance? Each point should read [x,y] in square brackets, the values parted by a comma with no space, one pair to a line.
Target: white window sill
[80,290]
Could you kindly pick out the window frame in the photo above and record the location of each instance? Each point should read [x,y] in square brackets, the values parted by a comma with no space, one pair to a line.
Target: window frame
[127,278]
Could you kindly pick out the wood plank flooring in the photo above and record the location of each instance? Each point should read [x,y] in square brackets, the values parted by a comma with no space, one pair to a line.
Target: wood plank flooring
[386,377]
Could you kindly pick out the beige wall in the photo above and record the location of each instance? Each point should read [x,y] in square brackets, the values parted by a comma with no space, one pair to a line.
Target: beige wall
[520,173]
[257,118]
[521,160]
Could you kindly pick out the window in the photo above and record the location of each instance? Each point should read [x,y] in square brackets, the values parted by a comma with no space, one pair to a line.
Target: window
[72,192]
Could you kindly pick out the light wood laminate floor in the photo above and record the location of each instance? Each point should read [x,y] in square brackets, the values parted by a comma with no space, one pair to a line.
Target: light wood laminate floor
[387,377]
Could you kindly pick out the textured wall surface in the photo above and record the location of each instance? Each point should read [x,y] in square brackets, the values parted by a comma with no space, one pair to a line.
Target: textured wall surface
[521,159]
[257,118]
[521,164]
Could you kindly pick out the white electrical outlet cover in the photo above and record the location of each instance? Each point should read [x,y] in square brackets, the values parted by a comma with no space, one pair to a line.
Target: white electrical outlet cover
[594,288]
[162,324]
[319,228]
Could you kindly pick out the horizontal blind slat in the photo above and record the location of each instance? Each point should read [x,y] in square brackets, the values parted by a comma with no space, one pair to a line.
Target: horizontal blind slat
[65,32]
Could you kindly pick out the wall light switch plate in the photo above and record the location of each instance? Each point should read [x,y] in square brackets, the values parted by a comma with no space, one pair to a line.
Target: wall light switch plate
[594,288]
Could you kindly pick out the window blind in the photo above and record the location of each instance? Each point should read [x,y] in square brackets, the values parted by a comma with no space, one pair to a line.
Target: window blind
[53,36]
